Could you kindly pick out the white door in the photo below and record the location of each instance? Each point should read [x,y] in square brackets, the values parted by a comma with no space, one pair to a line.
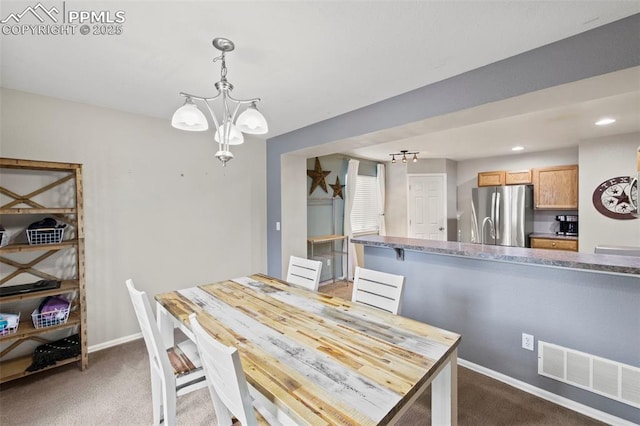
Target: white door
[427,209]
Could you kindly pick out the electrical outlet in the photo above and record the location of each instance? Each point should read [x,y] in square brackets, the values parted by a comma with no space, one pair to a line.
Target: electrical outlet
[527,341]
[328,262]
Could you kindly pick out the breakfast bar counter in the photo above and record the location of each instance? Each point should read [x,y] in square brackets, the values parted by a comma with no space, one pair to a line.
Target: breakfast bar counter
[492,295]
[627,265]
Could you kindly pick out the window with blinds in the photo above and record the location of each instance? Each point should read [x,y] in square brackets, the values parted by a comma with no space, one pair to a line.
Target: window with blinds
[364,216]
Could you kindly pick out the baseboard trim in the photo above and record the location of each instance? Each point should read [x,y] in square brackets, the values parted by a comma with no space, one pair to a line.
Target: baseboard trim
[549,396]
[526,387]
[115,342]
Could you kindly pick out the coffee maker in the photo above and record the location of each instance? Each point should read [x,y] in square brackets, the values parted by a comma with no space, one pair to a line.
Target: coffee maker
[568,225]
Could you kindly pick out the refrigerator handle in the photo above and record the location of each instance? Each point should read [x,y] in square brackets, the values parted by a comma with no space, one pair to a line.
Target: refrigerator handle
[497,218]
[493,206]
[493,216]
[474,223]
[484,222]
[489,220]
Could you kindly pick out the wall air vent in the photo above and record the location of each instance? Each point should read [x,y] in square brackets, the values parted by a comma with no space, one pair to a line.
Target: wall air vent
[599,375]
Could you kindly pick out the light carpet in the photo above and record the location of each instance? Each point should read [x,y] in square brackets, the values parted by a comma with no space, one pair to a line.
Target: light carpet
[115,390]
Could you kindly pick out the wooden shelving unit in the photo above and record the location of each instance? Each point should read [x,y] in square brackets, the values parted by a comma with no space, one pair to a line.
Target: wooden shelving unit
[16,368]
[22,209]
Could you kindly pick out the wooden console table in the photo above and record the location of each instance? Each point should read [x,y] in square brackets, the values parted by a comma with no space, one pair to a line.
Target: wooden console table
[332,240]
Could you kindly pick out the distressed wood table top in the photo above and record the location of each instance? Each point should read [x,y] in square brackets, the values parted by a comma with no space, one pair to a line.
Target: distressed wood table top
[320,359]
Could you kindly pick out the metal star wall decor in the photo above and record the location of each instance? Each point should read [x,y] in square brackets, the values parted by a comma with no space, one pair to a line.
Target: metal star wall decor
[317,176]
[337,188]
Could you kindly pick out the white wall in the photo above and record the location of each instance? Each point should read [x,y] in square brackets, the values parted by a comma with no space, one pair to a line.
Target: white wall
[468,170]
[294,208]
[598,160]
[159,207]
[396,200]
[601,159]
[468,179]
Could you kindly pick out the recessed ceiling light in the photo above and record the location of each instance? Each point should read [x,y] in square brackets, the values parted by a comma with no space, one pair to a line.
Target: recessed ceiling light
[517,148]
[605,121]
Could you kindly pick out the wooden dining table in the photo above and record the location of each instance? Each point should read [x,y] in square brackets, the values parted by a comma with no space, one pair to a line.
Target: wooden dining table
[319,359]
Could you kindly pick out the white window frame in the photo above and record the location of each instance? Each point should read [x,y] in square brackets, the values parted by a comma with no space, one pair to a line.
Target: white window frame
[365,214]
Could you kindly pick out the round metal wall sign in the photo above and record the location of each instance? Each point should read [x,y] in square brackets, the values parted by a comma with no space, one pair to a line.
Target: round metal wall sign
[611,198]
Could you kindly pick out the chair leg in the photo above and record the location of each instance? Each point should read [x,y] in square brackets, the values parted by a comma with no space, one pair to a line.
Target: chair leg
[156,397]
[169,402]
[223,417]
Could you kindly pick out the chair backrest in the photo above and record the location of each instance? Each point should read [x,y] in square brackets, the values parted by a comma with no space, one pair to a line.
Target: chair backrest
[304,272]
[225,376]
[378,289]
[157,354]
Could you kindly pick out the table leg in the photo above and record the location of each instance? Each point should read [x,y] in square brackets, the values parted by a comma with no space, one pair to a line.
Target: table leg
[274,415]
[444,393]
[345,250]
[165,324]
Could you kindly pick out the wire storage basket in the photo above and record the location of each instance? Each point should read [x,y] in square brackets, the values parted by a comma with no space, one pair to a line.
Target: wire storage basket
[49,319]
[9,323]
[45,235]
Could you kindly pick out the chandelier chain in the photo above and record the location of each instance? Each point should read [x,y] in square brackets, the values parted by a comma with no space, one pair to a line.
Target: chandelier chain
[223,66]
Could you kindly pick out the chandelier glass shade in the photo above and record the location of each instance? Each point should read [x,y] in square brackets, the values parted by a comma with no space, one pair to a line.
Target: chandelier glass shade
[252,122]
[189,117]
[235,135]
[229,125]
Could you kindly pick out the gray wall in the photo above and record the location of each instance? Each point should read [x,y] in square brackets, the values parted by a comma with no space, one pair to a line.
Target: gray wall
[325,214]
[602,50]
[492,303]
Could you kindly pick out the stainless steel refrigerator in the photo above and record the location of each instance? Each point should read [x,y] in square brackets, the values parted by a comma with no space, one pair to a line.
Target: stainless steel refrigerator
[502,215]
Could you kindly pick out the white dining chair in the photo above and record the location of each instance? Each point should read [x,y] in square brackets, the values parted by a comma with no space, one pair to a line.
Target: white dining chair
[378,289]
[175,371]
[304,272]
[226,381]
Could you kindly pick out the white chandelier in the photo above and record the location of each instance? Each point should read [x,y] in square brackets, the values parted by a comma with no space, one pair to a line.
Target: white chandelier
[229,130]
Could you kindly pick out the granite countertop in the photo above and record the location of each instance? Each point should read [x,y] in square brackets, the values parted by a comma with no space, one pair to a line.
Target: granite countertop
[626,265]
[554,236]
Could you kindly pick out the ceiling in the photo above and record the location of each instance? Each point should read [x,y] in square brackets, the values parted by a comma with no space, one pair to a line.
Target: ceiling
[313,60]
[555,118]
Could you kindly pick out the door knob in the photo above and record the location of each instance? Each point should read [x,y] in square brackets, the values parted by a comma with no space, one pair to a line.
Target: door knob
[441,228]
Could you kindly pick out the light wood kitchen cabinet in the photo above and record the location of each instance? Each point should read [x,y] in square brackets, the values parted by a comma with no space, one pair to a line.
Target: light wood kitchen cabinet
[495,178]
[518,178]
[556,188]
[554,244]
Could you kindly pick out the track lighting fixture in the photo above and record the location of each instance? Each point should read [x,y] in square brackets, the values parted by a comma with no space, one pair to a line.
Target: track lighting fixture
[404,154]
